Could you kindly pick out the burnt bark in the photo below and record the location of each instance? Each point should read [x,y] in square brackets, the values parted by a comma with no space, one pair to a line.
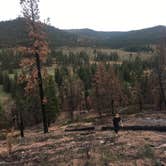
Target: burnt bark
[140,103]
[105,128]
[161,88]
[21,124]
[41,93]
[112,107]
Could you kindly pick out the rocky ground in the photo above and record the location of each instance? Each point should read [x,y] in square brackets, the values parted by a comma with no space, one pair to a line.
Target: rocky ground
[90,148]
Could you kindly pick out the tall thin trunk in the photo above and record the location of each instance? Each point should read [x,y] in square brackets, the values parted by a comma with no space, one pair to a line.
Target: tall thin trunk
[86,102]
[140,104]
[41,92]
[160,103]
[71,109]
[162,89]
[112,107]
[98,103]
[17,119]
[21,124]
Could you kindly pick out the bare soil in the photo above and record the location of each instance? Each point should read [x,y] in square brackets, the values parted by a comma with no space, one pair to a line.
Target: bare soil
[90,148]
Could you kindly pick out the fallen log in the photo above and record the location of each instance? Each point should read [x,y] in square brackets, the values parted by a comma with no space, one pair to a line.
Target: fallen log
[136,128]
[133,128]
[80,129]
[87,133]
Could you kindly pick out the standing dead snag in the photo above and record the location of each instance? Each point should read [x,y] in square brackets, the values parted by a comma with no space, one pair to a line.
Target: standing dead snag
[31,66]
[72,94]
[158,78]
[162,69]
[107,90]
[100,91]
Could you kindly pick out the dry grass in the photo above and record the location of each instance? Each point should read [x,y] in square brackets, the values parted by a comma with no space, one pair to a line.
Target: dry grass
[97,148]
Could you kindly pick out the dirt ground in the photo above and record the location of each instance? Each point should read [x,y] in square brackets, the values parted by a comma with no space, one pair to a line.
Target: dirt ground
[89,148]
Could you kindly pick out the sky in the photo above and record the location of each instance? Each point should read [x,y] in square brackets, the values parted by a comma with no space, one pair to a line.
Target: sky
[102,15]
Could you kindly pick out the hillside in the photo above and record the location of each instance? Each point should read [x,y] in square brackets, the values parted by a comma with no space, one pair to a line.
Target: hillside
[123,39]
[13,33]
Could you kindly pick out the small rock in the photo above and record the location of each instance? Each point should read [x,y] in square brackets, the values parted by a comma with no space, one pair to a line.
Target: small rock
[102,142]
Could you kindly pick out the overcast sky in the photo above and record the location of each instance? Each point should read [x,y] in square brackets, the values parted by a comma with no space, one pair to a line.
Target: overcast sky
[105,15]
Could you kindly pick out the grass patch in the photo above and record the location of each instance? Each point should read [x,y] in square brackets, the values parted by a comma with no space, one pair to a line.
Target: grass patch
[108,157]
[146,152]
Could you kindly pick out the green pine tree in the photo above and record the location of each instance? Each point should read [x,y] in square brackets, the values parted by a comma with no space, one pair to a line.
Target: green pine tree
[52,101]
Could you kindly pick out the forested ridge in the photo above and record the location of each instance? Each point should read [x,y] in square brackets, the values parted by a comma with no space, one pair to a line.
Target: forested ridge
[13,33]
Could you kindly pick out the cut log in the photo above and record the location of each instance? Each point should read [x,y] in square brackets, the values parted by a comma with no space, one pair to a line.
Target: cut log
[133,128]
[80,129]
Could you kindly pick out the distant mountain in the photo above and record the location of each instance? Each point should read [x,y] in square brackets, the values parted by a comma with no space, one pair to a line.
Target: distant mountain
[123,39]
[94,34]
[13,33]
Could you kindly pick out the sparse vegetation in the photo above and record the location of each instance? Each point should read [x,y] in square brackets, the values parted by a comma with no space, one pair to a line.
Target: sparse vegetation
[73,83]
[146,152]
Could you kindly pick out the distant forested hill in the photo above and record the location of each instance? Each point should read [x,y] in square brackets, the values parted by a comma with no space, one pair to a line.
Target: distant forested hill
[13,33]
[124,39]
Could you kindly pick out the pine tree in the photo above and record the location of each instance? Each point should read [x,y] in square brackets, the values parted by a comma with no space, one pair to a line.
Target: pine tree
[36,54]
[6,82]
[20,106]
[58,77]
[52,101]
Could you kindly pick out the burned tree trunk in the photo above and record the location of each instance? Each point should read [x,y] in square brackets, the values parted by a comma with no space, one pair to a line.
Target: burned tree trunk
[162,89]
[41,92]
[21,125]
